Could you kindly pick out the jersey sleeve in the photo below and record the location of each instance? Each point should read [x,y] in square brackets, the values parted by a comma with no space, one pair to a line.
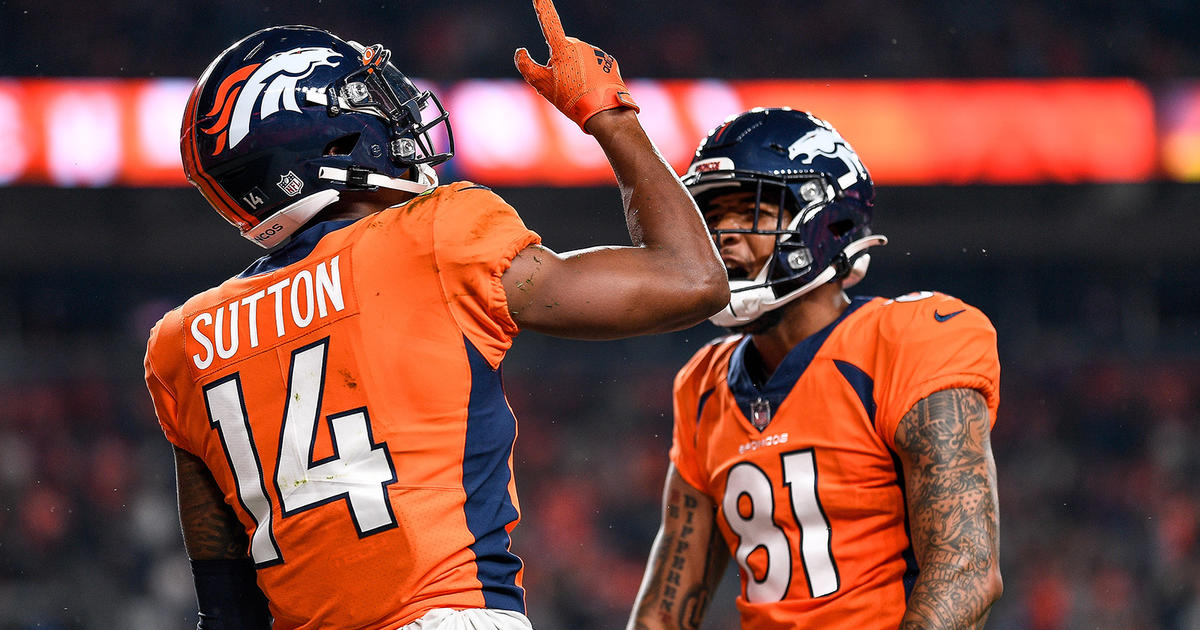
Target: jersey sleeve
[932,344]
[691,390]
[165,405]
[476,236]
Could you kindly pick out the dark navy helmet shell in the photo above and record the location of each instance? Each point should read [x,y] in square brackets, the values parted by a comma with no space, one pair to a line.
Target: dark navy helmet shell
[286,118]
[803,165]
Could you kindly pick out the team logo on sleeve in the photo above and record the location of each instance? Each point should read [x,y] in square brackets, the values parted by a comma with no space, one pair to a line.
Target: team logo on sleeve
[264,89]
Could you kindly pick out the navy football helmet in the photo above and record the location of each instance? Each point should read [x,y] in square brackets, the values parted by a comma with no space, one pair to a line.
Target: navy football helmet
[801,163]
[289,116]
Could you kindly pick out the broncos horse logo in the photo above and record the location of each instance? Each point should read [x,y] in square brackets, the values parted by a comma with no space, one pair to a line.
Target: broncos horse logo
[272,82]
[825,142]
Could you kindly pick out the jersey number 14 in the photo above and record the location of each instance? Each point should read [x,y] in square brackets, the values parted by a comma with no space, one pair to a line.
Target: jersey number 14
[358,472]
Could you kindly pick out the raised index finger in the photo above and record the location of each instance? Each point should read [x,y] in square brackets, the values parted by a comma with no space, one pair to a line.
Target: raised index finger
[552,28]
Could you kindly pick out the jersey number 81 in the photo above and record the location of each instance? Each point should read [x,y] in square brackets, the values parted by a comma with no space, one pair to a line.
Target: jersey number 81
[753,521]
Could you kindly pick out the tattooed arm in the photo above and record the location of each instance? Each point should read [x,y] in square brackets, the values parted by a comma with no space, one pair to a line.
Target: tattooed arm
[945,446]
[210,529]
[686,561]
[227,593]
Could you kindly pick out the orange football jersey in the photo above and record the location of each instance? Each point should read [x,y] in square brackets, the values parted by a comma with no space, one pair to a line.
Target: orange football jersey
[345,392]
[808,488]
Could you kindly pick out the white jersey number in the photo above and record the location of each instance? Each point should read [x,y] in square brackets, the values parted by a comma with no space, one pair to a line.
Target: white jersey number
[358,472]
[755,525]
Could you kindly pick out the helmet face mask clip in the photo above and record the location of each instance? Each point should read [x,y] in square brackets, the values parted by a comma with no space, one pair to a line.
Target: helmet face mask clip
[376,88]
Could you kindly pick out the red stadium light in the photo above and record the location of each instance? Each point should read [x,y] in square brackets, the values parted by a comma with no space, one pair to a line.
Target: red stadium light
[986,131]
[1179,113]
[112,132]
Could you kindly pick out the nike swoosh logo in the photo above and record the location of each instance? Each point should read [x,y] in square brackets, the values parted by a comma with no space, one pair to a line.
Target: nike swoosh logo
[941,318]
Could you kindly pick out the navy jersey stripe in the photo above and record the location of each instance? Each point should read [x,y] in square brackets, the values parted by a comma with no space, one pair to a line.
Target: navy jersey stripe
[789,371]
[862,384]
[703,401]
[911,569]
[491,431]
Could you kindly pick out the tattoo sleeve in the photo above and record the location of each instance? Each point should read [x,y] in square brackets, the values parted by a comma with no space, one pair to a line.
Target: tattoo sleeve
[210,528]
[686,561]
[950,475]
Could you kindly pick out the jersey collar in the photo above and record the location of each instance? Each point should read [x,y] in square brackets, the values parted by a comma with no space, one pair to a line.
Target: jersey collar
[294,250]
[749,398]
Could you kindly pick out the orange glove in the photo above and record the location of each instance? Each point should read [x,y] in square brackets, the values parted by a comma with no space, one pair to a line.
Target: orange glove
[580,79]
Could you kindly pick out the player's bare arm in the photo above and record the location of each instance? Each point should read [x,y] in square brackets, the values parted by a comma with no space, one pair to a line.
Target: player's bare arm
[226,589]
[210,529]
[944,443]
[686,562]
[671,277]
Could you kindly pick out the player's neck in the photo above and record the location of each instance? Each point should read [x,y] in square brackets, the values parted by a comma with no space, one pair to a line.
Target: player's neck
[804,318]
[355,204]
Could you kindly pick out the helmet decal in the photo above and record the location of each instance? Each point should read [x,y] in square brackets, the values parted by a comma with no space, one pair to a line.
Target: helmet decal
[829,143]
[274,81]
[720,130]
[710,165]
[291,184]
[226,93]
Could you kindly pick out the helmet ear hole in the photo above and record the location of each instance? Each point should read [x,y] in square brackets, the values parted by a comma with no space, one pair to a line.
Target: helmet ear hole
[342,146]
[840,228]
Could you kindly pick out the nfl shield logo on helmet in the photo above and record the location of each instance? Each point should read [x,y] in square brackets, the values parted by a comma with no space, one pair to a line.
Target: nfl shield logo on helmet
[290,184]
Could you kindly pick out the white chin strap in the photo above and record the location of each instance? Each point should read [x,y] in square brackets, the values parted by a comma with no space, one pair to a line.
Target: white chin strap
[749,299]
[276,228]
[426,179]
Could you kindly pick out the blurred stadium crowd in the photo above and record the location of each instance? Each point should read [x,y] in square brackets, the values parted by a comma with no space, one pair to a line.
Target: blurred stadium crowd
[1098,441]
[753,39]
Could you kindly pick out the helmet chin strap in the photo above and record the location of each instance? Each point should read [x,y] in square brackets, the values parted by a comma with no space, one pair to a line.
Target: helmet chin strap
[276,228]
[426,179]
[749,299]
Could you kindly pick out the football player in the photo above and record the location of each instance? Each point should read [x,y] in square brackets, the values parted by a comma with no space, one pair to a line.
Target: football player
[343,443]
[836,448]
